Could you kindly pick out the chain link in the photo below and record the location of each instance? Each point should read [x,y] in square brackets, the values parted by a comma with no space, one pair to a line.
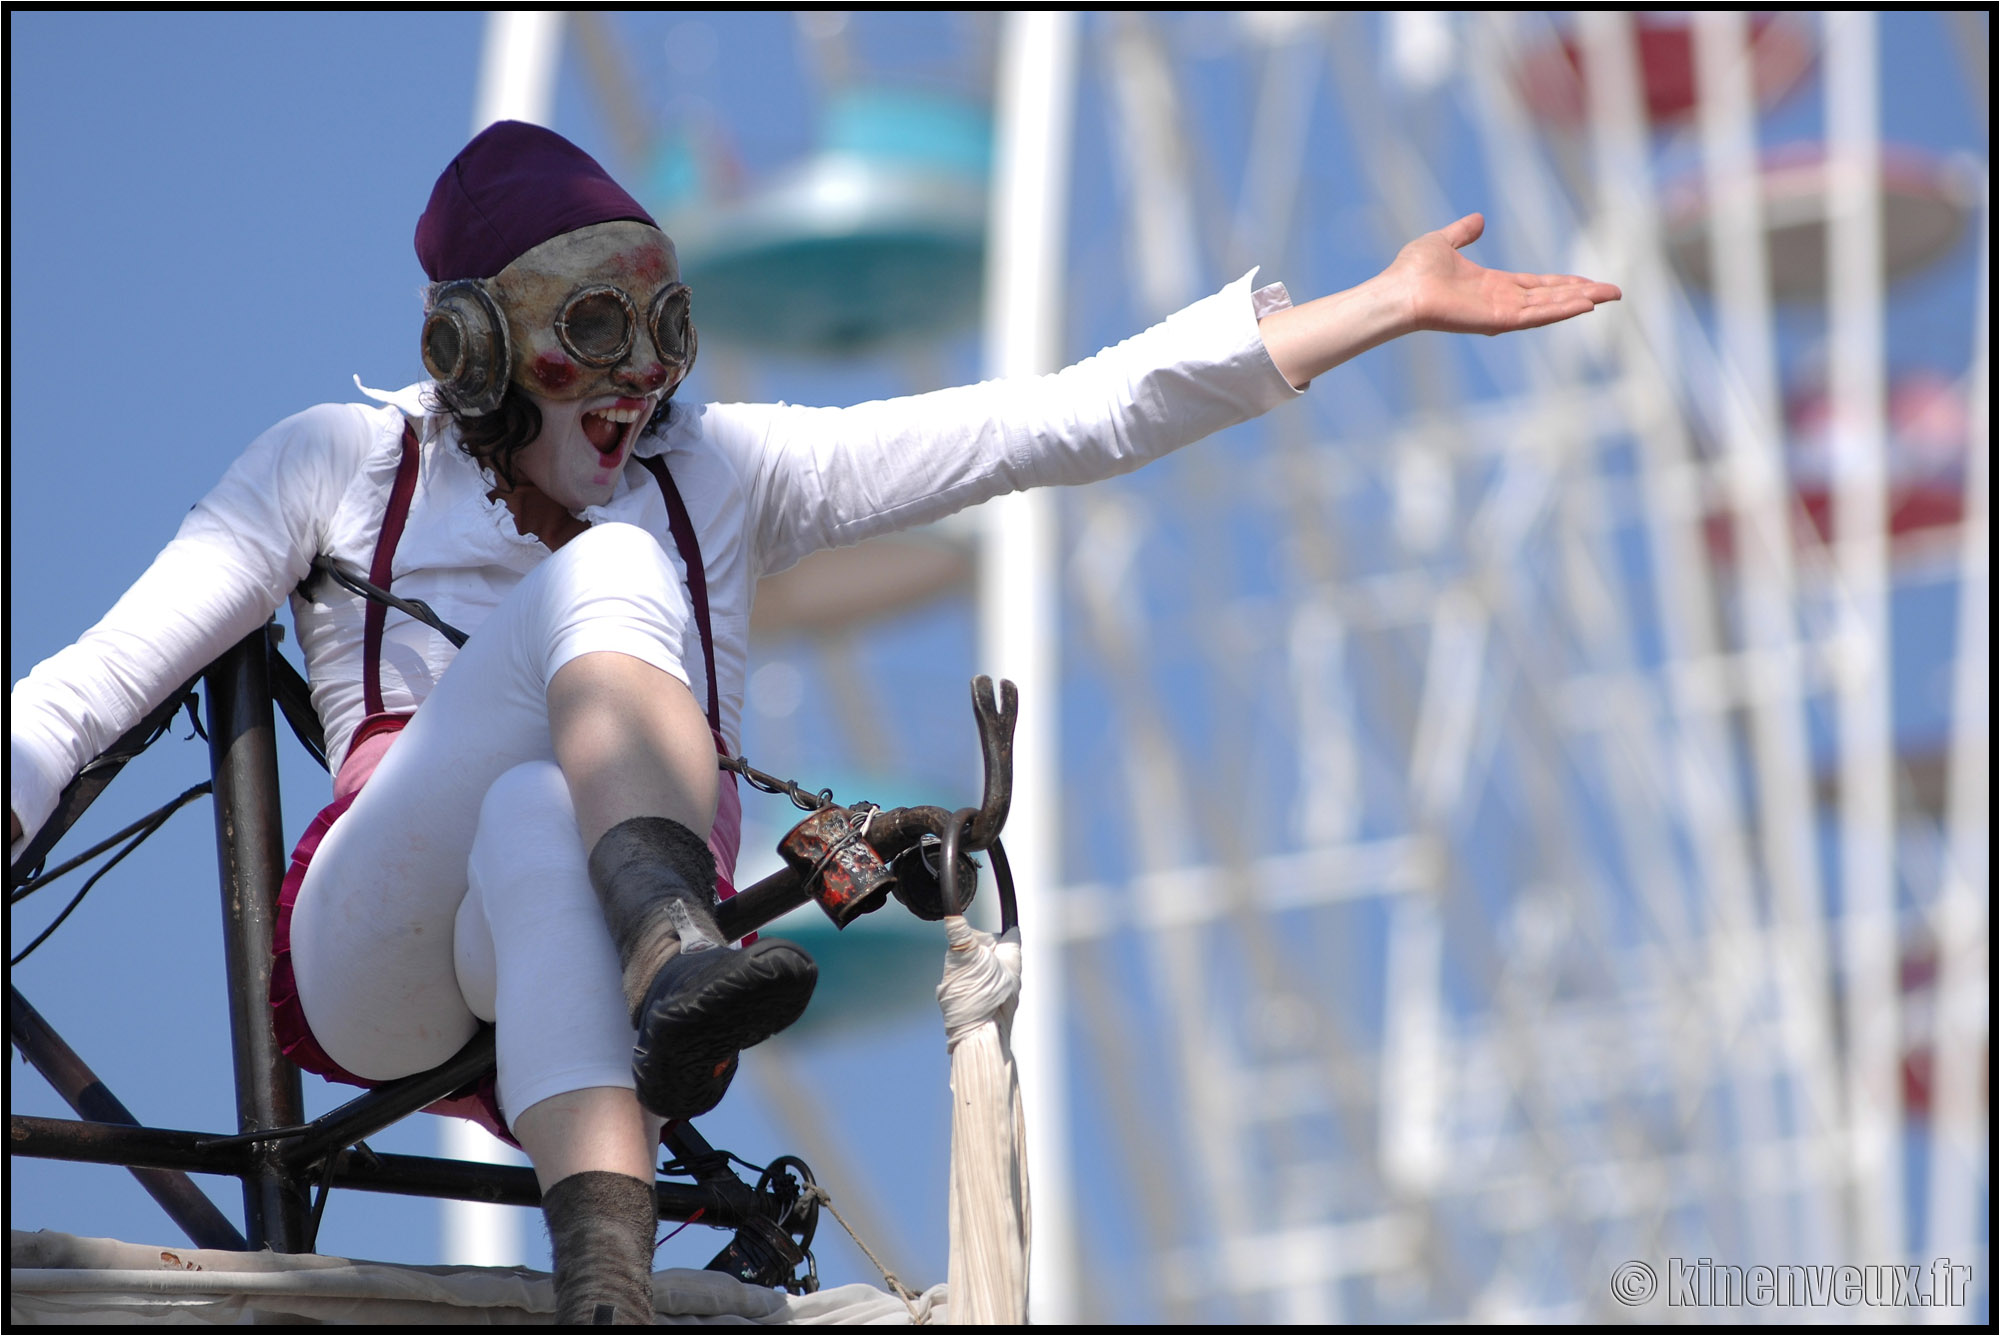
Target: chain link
[802,798]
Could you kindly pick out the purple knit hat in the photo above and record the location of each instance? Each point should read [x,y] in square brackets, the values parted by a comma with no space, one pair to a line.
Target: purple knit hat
[509,190]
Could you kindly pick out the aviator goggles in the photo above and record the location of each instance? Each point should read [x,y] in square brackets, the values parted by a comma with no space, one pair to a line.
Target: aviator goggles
[479,332]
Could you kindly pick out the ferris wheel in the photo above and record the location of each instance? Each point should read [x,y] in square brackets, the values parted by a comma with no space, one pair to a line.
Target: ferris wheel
[1524,808]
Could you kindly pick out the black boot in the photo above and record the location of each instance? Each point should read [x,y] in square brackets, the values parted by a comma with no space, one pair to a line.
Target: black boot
[695,1003]
[601,1232]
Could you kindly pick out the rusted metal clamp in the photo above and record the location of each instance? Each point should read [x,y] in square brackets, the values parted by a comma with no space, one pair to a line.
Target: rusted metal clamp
[836,865]
[844,861]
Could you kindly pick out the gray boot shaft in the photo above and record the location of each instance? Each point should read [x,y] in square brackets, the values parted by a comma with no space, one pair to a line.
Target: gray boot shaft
[655,879]
[601,1228]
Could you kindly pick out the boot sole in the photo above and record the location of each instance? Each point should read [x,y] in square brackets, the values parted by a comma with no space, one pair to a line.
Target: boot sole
[692,1028]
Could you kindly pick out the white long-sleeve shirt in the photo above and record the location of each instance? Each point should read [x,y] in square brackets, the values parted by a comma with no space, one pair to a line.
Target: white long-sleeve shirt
[765,485]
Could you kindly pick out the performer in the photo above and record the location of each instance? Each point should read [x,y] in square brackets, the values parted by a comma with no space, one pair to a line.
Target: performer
[535,837]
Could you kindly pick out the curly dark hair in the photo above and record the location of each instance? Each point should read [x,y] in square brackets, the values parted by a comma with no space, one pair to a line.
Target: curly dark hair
[495,439]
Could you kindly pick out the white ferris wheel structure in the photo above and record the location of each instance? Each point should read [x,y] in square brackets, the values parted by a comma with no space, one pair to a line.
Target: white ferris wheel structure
[1476,819]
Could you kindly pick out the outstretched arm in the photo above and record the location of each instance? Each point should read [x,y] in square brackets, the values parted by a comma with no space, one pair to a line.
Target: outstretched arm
[1430,285]
[821,477]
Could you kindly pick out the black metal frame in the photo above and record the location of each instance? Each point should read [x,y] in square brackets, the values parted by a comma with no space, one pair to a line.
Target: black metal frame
[279,1155]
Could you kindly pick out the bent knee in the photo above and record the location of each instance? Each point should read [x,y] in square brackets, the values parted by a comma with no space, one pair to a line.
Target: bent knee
[527,829]
[527,797]
[614,588]
[615,550]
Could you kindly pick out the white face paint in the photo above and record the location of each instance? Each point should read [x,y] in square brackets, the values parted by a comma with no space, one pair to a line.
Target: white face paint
[582,447]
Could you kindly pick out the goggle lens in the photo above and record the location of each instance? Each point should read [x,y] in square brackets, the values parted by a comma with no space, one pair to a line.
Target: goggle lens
[670,323]
[596,326]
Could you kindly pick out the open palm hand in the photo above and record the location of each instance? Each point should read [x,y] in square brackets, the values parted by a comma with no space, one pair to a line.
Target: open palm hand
[1449,292]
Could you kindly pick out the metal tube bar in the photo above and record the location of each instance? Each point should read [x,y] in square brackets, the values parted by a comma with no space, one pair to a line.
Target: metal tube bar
[368,1114]
[185,1203]
[118,1143]
[407,1175]
[250,848]
[507,1185]
[754,906]
[451,1180]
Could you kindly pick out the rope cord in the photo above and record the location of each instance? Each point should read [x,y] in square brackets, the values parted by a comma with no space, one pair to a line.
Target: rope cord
[897,1287]
[149,824]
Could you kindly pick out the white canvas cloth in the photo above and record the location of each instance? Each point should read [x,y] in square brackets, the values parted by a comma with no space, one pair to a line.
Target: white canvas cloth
[989,1217]
[61,1280]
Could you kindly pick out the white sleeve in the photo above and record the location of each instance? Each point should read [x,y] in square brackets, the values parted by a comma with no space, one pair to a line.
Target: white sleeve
[824,477]
[236,557]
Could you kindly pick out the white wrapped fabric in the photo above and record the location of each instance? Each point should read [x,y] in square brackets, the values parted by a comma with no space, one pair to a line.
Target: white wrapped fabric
[988,1276]
[61,1280]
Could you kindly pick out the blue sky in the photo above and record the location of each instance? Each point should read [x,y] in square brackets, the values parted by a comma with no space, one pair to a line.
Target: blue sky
[210,221]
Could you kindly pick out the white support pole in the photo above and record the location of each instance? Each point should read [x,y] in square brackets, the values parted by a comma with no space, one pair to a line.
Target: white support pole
[517,67]
[1164,251]
[1868,933]
[480,1233]
[1411,1132]
[517,82]
[1754,477]
[1627,226]
[1794,947]
[1752,413]
[1024,275]
[1214,1071]
[1268,202]
[1960,1119]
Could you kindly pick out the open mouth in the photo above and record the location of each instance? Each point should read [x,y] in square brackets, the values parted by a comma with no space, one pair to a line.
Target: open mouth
[608,429]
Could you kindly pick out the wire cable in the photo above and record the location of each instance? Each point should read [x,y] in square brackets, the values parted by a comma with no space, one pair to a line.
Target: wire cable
[27,889]
[149,825]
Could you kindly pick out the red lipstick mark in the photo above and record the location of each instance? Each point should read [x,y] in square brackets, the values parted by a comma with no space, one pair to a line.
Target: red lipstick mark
[555,371]
[607,462]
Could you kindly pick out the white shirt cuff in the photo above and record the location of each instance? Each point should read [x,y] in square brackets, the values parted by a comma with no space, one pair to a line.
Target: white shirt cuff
[31,793]
[1269,299]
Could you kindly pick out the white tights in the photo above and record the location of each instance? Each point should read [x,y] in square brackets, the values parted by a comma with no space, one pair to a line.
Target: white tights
[455,889]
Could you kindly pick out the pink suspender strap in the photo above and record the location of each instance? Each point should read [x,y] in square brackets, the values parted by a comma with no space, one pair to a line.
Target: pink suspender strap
[726,834]
[697,578]
[380,573]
